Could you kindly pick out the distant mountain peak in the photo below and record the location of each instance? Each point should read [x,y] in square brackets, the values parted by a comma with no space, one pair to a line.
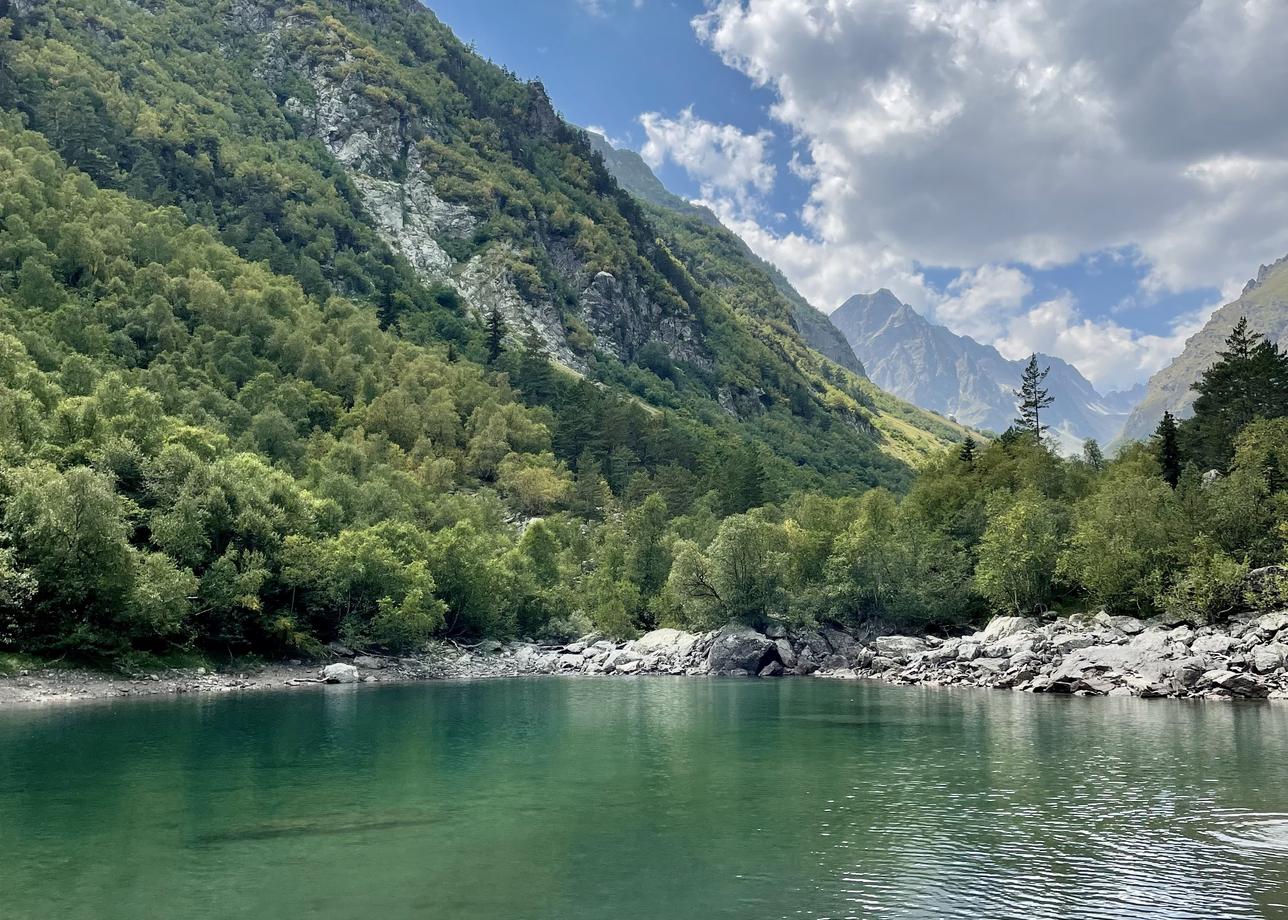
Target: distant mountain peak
[935,368]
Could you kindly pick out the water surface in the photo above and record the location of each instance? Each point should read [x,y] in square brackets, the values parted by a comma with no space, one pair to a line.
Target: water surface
[561,799]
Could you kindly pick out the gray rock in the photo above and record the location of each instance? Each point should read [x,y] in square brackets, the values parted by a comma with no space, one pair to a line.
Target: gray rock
[627,667]
[899,648]
[368,663]
[619,658]
[342,650]
[575,648]
[1244,685]
[785,653]
[1216,644]
[1070,642]
[1004,627]
[968,651]
[489,646]
[672,642]
[834,662]
[991,665]
[739,648]
[838,640]
[776,631]
[1269,625]
[1181,635]
[340,674]
[1130,625]
[773,669]
[1269,657]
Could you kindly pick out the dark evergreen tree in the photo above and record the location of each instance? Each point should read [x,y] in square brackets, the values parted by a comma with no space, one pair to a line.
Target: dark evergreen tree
[495,335]
[1033,398]
[1248,381]
[744,482]
[967,453]
[1167,449]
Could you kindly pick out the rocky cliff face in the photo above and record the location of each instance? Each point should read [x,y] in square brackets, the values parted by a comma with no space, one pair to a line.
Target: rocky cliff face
[379,144]
[1264,302]
[634,175]
[932,367]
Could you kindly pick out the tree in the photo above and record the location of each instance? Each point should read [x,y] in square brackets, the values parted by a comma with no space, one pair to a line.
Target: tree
[967,453]
[1092,455]
[1168,450]
[1125,539]
[495,335]
[889,564]
[1018,553]
[1248,381]
[741,576]
[1033,398]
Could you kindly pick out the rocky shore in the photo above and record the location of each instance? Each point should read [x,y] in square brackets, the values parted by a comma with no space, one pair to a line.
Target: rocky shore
[1088,655]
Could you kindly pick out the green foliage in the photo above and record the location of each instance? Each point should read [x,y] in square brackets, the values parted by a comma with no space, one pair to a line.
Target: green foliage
[890,565]
[1209,587]
[1125,538]
[742,575]
[1249,381]
[1018,551]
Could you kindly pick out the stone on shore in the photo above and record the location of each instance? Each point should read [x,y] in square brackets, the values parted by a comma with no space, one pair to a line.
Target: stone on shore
[739,648]
[340,674]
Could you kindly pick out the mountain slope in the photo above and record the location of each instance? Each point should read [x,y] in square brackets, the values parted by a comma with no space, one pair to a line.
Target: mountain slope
[931,366]
[634,175]
[1264,302]
[361,149]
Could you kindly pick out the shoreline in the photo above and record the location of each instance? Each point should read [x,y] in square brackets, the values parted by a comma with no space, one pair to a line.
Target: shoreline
[1082,655]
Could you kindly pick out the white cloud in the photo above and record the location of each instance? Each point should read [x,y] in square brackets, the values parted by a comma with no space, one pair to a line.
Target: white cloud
[981,302]
[726,162]
[1108,354]
[1022,132]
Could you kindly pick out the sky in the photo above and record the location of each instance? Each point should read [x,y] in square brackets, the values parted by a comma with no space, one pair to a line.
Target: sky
[1086,179]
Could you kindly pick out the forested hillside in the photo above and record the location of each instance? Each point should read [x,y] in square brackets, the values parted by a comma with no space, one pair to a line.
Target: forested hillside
[315,326]
[309,313]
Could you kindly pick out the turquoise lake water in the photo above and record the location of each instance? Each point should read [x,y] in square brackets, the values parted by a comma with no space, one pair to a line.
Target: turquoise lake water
[562,799]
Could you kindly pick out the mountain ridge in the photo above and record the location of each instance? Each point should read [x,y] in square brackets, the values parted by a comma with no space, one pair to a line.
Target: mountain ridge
[635,175]
[1263,300]
[934,367]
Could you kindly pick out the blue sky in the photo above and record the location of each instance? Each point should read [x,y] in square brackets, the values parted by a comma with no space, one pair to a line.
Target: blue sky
[1035,198]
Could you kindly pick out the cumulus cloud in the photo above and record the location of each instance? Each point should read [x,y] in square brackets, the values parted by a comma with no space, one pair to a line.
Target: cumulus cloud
[1032,132]
[981,302]
[1109,354]
[728,164]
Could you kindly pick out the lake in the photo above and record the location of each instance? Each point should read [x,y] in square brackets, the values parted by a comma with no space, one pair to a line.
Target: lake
[558,799]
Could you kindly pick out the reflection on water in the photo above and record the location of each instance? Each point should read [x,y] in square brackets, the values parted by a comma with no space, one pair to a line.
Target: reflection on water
[578,799]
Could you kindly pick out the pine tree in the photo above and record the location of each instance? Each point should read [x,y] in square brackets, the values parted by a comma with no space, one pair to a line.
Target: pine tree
[1033,398]
[1248,381]
[1167,449]
[495,335]
[967,453]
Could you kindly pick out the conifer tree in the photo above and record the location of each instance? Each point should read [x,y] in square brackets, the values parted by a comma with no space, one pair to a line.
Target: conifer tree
[495,335]
[1168,449]
[967,453]
[1033,398]
[1248,381]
